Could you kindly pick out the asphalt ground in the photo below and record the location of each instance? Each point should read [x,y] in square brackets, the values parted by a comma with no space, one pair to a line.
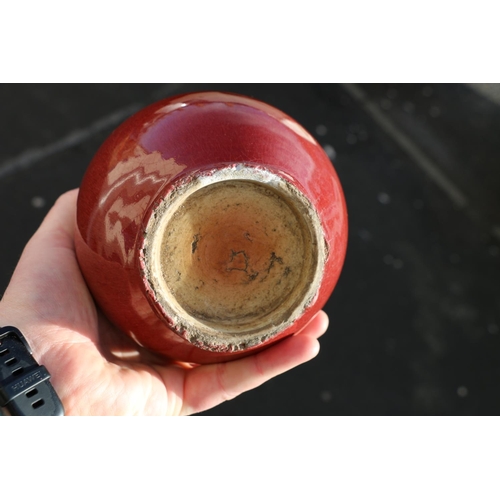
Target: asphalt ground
[415,318]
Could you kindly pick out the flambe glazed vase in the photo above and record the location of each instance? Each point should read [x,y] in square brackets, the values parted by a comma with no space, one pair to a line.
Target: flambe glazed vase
[210,225]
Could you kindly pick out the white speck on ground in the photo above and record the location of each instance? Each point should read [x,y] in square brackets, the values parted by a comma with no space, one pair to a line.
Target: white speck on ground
[330,151]
[392,261]
[397,264]
[435,111]
[351,139]
[38,202]
[365,235]
[384,198]
[325,396]
[462,391]
[321,130]
[492,328]
[408,107]
[427,91]
[388,259]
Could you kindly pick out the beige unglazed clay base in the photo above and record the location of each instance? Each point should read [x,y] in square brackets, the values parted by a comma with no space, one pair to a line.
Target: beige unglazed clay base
[233,257]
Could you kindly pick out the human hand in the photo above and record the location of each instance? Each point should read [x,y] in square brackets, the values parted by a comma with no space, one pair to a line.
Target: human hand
[96,369]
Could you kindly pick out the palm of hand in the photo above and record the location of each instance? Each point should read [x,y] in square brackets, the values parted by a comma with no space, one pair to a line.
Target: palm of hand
[96,370]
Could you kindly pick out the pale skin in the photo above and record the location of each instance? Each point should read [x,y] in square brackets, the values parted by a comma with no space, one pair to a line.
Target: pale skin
[48,300]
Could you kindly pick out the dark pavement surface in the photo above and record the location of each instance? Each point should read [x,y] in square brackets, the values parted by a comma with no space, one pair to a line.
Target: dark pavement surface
[415,318]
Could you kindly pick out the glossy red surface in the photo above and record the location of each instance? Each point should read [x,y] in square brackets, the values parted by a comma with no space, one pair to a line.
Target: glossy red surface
[159,145]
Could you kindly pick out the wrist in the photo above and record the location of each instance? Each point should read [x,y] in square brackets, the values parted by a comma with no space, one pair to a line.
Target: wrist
[25,388]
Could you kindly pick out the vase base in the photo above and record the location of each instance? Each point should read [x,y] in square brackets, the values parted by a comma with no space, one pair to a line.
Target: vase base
[234,257]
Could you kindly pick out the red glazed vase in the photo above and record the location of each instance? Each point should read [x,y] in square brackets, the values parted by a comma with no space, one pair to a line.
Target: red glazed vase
[210,225]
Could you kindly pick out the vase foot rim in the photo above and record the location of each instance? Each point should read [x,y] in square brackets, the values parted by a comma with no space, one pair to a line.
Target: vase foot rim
[233,256]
